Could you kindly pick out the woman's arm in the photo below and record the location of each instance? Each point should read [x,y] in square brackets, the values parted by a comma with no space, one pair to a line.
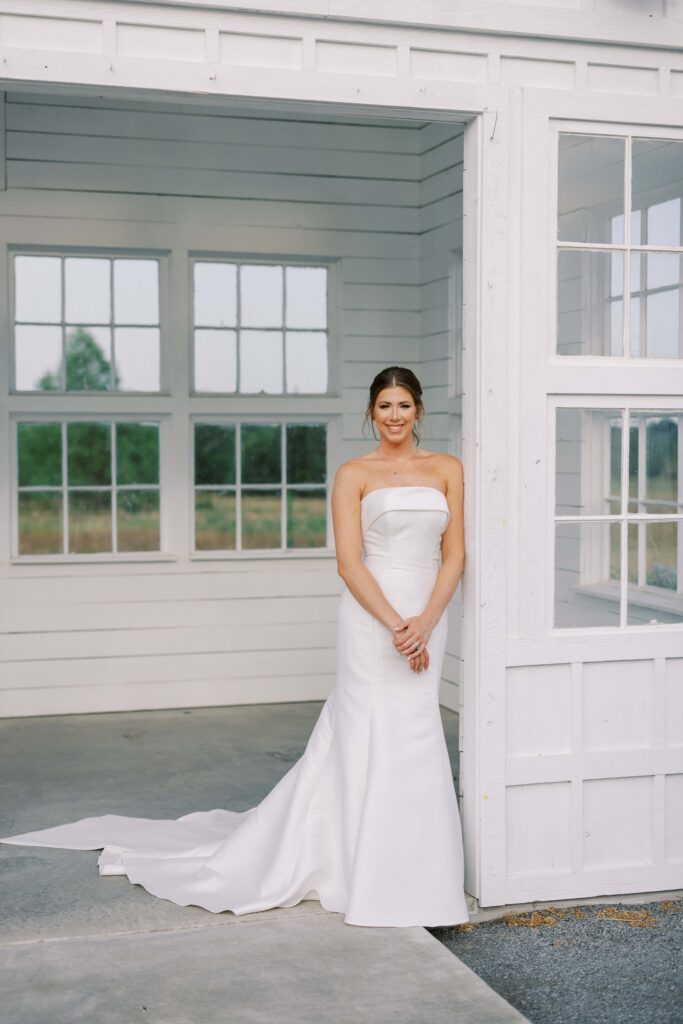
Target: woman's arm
[418,629]
[349,547]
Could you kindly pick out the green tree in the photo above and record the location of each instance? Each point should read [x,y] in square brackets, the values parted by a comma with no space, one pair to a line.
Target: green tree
[87,368]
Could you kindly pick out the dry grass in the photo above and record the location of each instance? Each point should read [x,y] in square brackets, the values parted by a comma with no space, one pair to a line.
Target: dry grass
[633,918]
[549,916]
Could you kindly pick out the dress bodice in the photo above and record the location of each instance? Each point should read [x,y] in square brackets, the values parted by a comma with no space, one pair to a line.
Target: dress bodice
[402,526]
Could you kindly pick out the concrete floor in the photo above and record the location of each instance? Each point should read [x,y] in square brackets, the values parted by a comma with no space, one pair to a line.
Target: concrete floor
[75,946]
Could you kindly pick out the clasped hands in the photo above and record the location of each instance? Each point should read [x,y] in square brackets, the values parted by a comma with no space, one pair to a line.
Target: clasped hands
[409,632]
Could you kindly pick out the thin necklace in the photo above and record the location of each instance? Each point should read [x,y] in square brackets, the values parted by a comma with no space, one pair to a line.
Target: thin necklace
[405,462]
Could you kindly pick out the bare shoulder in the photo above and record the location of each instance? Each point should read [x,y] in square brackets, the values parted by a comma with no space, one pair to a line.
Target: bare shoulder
[452,468]
[350,475]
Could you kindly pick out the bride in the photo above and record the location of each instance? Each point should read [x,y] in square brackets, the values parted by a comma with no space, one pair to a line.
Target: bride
[367,819]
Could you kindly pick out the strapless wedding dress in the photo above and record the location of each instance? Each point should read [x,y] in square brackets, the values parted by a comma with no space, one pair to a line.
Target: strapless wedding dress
[367,819]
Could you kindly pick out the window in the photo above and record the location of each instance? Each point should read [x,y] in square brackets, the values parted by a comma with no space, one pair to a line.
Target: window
[92,471]
[86,323]
[618,516]
[260,486]
[259,328]
[87,487]
[620,233]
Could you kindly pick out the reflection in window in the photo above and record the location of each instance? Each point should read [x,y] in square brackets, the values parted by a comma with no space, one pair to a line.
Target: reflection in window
[86,323]
[260,328]
[88,487]
[591,319]
[657,190]
[260,486]
[590,187]
[581,570]
[610,497]
[590,302]
[655,305]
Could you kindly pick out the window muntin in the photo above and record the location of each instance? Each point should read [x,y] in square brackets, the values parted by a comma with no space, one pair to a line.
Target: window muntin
[618,517]
[86,323]
[619,201]
[260,486]
[87,487]
[260,328]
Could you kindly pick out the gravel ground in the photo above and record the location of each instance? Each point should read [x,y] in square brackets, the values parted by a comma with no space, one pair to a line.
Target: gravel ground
[594,964]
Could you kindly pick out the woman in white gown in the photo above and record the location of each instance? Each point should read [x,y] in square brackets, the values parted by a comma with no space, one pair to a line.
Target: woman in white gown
[367,820]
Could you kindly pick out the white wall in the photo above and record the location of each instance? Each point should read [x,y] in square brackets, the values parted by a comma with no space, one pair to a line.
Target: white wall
[183,632]
[441,206]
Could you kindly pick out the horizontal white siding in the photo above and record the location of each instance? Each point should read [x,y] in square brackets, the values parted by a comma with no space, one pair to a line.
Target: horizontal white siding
[183,632]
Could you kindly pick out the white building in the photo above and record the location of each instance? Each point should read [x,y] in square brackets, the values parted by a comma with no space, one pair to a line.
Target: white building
[218,222]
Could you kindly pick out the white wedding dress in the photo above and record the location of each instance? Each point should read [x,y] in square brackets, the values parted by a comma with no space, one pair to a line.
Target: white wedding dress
[367,820]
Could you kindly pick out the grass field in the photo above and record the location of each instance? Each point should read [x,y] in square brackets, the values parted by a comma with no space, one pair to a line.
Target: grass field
[90,531]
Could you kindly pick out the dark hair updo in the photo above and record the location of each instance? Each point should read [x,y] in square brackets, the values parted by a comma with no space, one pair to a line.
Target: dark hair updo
[396,377]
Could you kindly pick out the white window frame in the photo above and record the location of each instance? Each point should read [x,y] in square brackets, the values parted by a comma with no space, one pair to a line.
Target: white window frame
[624,592]
[94,252]
[628,133]
[601,381]
[104,416]
[277,419]
[268,260]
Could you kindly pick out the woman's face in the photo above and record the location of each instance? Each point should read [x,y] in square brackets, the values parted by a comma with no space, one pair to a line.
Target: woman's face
[394,414]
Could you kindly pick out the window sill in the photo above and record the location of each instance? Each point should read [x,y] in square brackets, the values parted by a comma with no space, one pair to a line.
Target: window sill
[249,556]
[650,597]
[109,558]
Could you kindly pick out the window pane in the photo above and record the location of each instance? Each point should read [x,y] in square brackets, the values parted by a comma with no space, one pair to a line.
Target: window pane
[661,455]
[89,521]
[589,309]
[40,454]
[137,453]
[138,525]
[215,360]
[214,454]
[660,270]
[215,294]
[88,454]
[137,358]
[306,519]
[40,523]
[261,455]
[587,463]
[261,362]
[654,327]
[261,519]
[88,359]
[261,296]
[306,362]
[215,521]
[306,453]
[306,297]
[38,289]
[654,599]
[38,358]
[591,189]
[586,575]
[615,550]
[660,554]
[136,291]
[657,188]
[87,291]
[633,462]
